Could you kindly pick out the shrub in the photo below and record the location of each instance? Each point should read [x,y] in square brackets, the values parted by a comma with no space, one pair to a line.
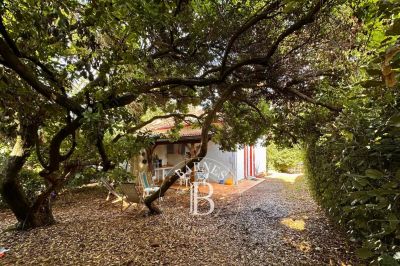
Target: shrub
[119,174]
[90,174]
[355,176]
[283,159]
[32,183]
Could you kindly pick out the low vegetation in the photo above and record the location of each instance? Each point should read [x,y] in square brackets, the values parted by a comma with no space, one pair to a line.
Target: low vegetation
[356,176]
[284,159]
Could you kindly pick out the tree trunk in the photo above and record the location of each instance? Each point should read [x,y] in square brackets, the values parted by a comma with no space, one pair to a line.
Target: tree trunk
[149,158]
[167,184]
[40,213]
[11,190]
[27,214]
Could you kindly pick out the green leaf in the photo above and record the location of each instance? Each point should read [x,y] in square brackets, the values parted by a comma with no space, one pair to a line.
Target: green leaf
[372,83]
[398,174]
[394,29]
[361,181]
[374,174]
[387,260]
[393,220]
[395,120]
[364,253]
[348,135]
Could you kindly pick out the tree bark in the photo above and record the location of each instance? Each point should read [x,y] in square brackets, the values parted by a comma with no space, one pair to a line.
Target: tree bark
[40,214]
[28,215]
[11,190]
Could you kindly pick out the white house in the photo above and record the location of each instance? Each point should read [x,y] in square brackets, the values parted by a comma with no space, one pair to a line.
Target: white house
[164,156]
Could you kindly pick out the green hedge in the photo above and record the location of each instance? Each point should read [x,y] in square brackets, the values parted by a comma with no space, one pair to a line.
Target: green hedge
[355,176]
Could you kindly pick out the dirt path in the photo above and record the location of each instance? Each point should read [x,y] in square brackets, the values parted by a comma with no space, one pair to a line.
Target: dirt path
[274,223]
[284,226]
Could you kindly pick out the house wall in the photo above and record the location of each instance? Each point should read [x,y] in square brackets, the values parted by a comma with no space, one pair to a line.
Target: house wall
[260,154]
[226,159]
[240,164]
[234,161]
[161,151]
[223,157]
[168,159]
[260,160]
[174,159]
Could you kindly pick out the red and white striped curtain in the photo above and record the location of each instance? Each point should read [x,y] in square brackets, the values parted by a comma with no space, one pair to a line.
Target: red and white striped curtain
[249,161]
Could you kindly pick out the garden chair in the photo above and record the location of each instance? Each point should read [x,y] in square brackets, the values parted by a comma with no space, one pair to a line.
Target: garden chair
[183,177]
[202,176]
[111,190]
[147,188]
[130,195]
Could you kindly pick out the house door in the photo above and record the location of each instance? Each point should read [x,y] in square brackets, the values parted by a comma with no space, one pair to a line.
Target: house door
[249,161]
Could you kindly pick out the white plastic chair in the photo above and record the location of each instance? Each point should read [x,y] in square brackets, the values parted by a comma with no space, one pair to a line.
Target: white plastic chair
[183,177]
[202,176]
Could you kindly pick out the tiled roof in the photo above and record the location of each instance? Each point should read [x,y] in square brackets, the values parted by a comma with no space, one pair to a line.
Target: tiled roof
[163,126]
[186,131]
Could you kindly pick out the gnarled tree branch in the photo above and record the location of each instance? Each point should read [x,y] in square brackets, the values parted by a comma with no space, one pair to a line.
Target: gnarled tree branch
[265,14]
[263,60]
[27,74]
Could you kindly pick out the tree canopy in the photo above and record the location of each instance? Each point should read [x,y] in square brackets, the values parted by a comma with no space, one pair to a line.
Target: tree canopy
[81,79]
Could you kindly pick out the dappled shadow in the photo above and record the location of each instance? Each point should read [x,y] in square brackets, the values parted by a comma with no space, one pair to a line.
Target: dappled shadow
[276,225]
[290,178]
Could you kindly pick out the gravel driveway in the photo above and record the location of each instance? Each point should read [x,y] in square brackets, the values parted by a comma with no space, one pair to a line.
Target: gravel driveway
[273,223]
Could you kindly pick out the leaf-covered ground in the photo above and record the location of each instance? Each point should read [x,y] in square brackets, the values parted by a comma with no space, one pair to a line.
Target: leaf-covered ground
[274,223]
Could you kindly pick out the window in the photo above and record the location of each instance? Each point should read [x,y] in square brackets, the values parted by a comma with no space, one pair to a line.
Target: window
[170,148]
[176,149]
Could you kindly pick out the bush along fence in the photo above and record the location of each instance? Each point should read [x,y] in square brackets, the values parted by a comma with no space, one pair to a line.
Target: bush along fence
[355,176]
